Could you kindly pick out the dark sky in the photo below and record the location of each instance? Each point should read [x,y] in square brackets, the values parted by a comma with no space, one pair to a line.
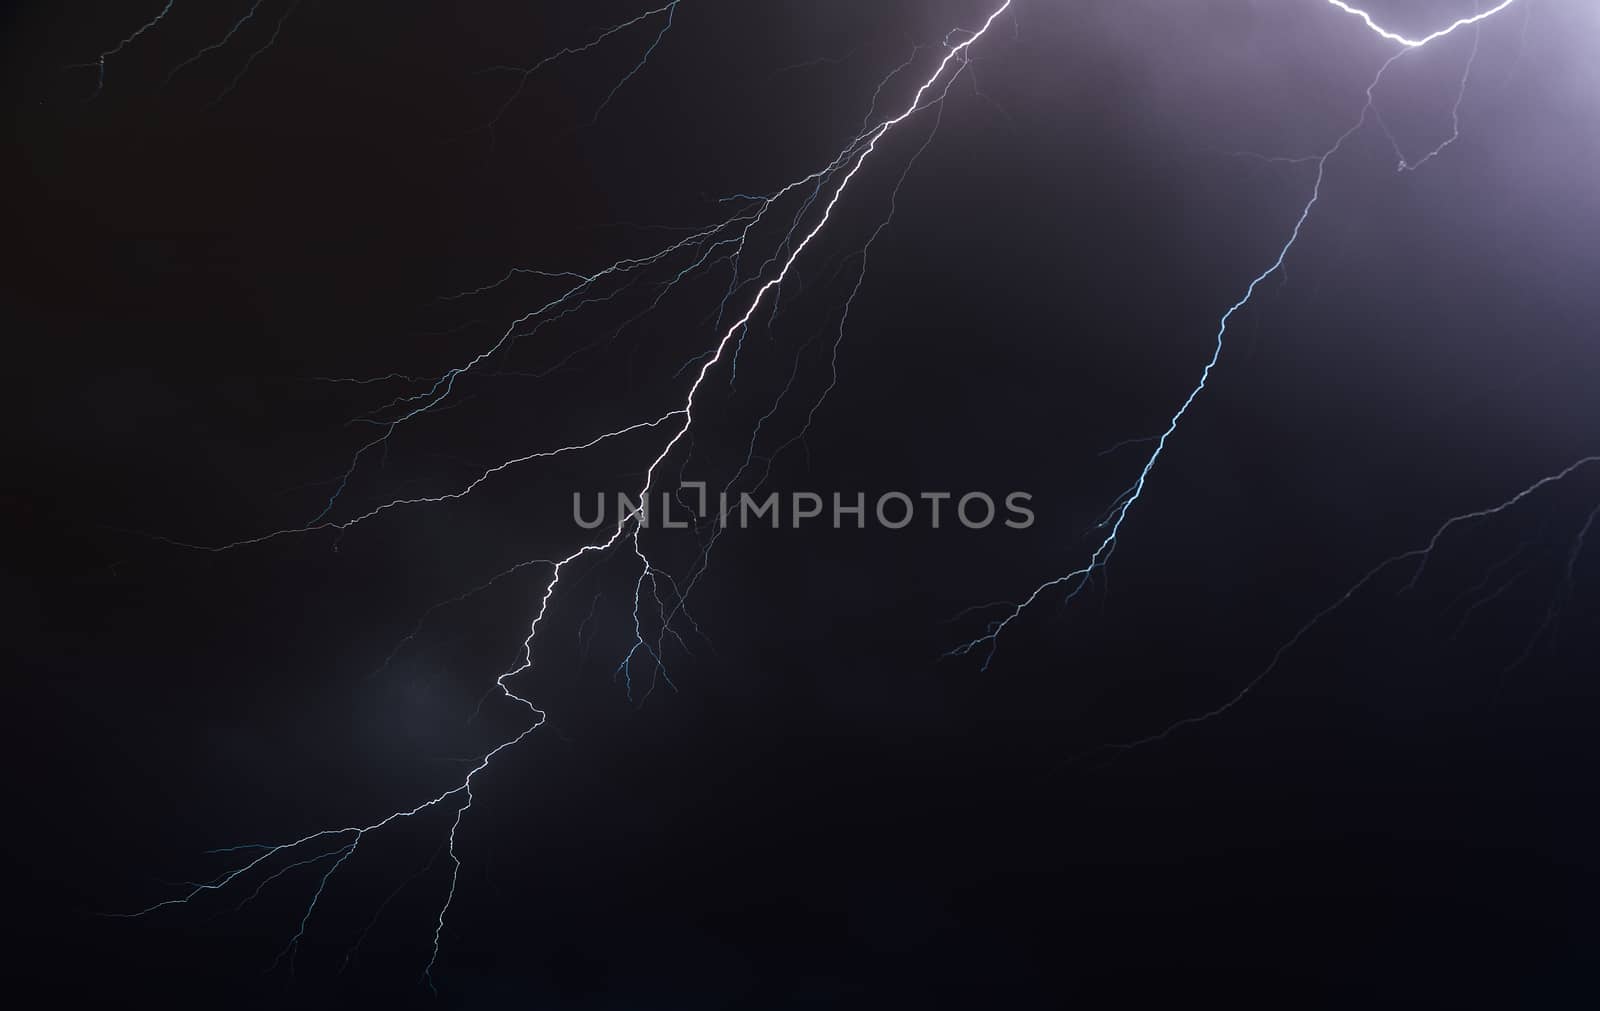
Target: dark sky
[822,811]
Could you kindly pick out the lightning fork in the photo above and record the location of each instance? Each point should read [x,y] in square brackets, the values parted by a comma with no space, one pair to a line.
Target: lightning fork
[525,73]
[1419,556]
[840,174]
[99,62]
[1075,581]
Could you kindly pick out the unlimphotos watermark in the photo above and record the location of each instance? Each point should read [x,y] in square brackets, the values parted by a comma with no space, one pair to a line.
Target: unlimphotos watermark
[893,510]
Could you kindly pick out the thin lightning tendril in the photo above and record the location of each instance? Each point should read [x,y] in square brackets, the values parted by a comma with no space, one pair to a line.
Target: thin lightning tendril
[1078,579]
[99,63]
[524,74]
[255,54]
[233,30]
[1419,555]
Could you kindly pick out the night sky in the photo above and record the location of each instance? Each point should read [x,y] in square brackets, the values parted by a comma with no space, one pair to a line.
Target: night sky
[818,809]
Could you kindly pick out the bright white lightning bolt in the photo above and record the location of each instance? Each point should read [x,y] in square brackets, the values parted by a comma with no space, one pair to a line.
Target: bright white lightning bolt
[839,175]
[1418,43]
[726,243]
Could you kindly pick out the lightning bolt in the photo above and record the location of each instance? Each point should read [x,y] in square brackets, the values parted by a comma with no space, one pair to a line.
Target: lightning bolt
[99,62]
[233,30]
[255,54]
[1418,43]
[524,74]
[1418,556]
[835,179]
[1074,582]
[730,244]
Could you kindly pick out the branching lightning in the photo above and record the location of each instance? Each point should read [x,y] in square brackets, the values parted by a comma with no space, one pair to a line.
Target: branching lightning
[1074,582]
[665,13]
[1419,556]
[99,63]
[239,25]
[1418,43]
[800,211]
[833,180]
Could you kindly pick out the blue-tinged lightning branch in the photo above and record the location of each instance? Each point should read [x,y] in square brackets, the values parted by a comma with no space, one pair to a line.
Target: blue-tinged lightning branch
[759,247]
[98,64]
[1073,583]
[240,26]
